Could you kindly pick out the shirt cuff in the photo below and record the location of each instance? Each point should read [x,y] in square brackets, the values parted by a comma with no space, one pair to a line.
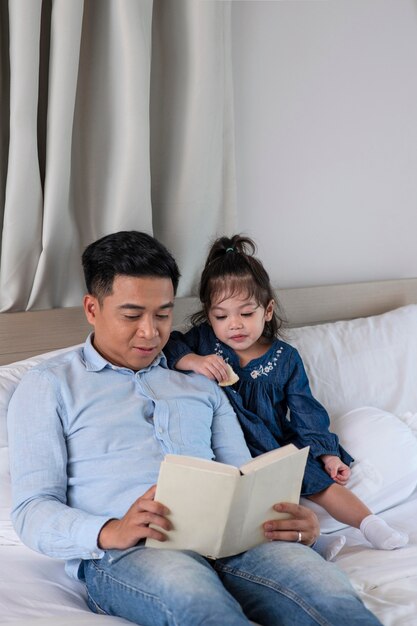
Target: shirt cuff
[86,535]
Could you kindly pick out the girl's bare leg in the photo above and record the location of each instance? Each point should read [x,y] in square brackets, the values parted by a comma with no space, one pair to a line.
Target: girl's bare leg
[344,506]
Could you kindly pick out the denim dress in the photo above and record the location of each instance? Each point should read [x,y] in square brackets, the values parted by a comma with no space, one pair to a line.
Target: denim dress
[272,400]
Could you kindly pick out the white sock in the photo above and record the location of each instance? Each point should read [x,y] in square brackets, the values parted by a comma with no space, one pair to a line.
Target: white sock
[328,546]
[381,535]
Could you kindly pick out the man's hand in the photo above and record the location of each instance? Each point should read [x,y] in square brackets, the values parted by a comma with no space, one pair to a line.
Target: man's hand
[211,366]
[134,525]
[303,525]
[335,468]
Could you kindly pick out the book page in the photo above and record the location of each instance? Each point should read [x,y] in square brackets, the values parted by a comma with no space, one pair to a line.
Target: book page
[257,492]
[199,501]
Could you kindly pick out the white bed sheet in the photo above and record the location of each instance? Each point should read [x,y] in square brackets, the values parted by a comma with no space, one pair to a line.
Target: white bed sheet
[386,581]
[35,591]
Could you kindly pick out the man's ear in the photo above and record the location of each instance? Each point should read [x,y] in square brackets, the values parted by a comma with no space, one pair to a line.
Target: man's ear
[91,305]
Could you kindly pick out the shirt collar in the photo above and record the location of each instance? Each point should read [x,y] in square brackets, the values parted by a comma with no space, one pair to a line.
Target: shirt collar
[94,362]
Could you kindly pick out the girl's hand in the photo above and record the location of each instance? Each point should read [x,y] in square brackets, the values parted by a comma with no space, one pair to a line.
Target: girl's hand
[211,366]
[336,469]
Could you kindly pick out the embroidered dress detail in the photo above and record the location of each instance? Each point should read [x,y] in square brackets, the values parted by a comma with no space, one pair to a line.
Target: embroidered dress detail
[265,370]
[219,351]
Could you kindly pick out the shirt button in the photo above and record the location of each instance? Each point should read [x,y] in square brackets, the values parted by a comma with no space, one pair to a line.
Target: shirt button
[95,555]
[160,431]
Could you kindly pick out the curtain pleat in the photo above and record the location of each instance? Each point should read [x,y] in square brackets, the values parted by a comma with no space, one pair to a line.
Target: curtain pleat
[4,104]
[115,114]
[111,135]
[22,221]
[192,143]
[60,245]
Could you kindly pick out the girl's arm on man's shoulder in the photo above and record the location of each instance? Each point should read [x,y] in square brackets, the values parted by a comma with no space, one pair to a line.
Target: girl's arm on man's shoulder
[180,344]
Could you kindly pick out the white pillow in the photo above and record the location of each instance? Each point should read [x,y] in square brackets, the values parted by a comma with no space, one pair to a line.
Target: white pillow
[411,420]
[10,376]
[385,469]
[362,362]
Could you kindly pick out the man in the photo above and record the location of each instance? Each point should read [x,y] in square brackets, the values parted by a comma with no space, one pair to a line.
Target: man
[88,430]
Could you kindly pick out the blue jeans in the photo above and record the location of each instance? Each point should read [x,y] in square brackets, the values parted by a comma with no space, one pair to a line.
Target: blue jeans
[274,584]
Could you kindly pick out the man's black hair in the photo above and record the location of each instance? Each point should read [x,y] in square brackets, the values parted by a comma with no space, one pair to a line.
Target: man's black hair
[126,253]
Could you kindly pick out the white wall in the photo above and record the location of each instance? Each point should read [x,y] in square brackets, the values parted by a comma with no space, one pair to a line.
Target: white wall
[326,137]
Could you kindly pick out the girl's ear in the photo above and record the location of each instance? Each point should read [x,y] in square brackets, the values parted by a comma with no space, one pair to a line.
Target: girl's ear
[269,311]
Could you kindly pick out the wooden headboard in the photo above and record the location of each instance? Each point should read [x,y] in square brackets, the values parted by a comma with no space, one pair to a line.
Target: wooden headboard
[29,333]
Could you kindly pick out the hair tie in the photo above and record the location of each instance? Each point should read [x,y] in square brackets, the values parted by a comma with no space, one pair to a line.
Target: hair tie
[229,250]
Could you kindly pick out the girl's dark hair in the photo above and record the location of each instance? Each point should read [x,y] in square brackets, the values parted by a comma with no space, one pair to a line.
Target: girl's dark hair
[231,268]
[126,253]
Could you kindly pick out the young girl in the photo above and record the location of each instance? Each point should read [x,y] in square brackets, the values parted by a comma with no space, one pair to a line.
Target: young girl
[238,326]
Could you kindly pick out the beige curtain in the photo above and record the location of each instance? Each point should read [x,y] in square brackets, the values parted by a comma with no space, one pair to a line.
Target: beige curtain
[115,114]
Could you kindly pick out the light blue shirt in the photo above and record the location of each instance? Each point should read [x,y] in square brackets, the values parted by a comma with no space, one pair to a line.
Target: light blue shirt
[87,437]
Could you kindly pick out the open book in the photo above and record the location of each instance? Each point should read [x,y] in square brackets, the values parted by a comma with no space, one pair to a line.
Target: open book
[218,510]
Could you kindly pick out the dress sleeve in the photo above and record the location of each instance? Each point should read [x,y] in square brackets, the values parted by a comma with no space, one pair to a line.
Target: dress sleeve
[308,419]
[180,344]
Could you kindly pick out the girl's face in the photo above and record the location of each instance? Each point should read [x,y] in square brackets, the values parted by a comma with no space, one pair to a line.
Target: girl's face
[238,321]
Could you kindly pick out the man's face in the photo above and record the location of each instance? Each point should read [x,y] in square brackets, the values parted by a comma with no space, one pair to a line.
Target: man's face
[132,325]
